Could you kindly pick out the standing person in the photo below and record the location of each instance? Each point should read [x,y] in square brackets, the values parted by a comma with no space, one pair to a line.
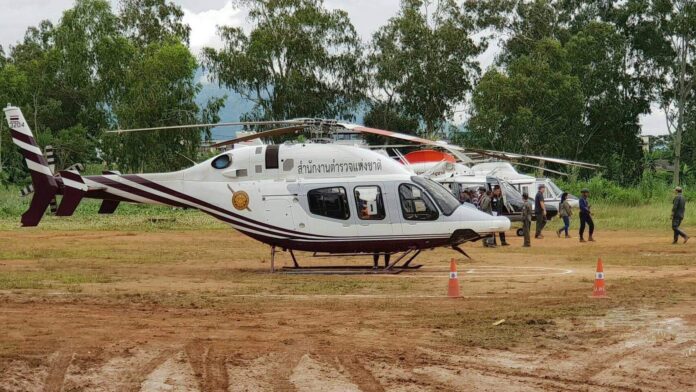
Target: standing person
[526,220]
[540,211]
[585,215]
[678,209]
[565,211]
[498,206]
[486,206]
[464,196]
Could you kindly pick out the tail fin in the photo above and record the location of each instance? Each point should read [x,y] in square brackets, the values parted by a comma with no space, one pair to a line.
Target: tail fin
[41,175]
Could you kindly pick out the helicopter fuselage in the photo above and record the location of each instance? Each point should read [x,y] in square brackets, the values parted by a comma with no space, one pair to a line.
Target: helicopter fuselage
[310,197]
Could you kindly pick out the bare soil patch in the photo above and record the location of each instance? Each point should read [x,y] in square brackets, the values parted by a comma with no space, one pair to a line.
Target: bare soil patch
[198,311]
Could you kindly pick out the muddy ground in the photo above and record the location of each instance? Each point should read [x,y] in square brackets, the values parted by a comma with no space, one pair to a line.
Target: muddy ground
[197,310]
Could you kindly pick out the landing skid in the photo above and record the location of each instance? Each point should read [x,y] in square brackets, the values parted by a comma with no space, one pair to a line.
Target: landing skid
[399,265]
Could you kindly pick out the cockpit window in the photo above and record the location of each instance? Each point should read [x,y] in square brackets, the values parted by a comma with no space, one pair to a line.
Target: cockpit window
[222,161]
[554,188]
[329,202]
[415,204]
[443,198]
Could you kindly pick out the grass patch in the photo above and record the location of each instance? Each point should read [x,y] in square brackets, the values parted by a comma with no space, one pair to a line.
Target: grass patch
[17,280]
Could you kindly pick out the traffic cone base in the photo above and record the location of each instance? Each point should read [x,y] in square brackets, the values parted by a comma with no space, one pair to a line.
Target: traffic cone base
[599,291]
[453,285]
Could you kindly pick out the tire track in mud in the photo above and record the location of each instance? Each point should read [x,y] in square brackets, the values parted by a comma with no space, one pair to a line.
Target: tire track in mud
[57,371]
[280,380]
[208,363]
[361,376]
[140,375]
[545,380]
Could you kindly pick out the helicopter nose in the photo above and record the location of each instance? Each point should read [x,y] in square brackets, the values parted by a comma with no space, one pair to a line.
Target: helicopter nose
[497,224]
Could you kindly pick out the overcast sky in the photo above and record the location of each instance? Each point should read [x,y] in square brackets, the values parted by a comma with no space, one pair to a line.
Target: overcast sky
[204,15]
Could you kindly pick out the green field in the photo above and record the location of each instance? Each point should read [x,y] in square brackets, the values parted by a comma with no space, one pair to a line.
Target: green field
[612,215]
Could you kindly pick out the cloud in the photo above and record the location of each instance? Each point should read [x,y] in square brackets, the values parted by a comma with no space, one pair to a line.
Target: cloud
[204,24]
[653,123]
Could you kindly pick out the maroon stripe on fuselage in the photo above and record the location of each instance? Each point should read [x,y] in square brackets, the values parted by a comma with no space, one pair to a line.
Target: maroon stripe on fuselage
[145,182]
[363,246]
[163,200]
[135,191]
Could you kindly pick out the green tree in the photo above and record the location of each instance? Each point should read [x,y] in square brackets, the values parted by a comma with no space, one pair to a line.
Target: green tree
[613,99]
[424,60]
[382,116]
[665,38]
[578,50]
[150,21]
[299,60]
[13,85]
[157,88]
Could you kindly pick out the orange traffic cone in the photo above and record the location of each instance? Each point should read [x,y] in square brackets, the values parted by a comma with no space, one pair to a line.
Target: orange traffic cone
[598,291]
[453,286]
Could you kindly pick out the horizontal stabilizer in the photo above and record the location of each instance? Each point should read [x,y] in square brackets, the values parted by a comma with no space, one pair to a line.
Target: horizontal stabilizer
[108,206]
[74,190]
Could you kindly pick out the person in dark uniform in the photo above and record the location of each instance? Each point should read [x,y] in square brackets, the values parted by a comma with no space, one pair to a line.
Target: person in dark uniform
[526,220]
[498,207]
[540,211]
[585,215]
[678,209]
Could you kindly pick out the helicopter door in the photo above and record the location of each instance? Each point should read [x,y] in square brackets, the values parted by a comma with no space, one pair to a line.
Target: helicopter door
[418,212]
[372,216]
[278,210]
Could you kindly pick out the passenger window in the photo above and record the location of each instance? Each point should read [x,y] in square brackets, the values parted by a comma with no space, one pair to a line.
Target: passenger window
[329,202]
[368,200]
[415,205]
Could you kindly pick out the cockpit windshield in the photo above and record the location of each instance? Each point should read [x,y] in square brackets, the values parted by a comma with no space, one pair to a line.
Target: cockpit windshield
[443,198]
[555,188]
[508,190]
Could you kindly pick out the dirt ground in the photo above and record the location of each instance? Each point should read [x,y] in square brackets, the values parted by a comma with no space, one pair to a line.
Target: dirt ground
[197,310]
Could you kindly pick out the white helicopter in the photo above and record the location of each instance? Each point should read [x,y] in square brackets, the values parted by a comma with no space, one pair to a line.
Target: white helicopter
[322,198]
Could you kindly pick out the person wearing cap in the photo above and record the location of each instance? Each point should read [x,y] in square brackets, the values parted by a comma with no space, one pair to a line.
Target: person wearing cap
[540,211]
[585,215]
[678,209]
[526,219]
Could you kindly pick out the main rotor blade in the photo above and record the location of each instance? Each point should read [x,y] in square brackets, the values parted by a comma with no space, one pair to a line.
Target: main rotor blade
[455,150]
[208,125]
[260,135]
[542,168]
[511,156]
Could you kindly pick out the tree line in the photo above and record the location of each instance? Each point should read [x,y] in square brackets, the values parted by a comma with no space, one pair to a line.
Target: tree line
[571,78]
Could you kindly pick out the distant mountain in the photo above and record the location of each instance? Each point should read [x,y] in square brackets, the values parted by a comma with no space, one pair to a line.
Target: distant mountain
[235,105]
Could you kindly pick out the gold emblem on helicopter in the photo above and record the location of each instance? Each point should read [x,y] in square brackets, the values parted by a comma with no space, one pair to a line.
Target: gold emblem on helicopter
[240,200]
